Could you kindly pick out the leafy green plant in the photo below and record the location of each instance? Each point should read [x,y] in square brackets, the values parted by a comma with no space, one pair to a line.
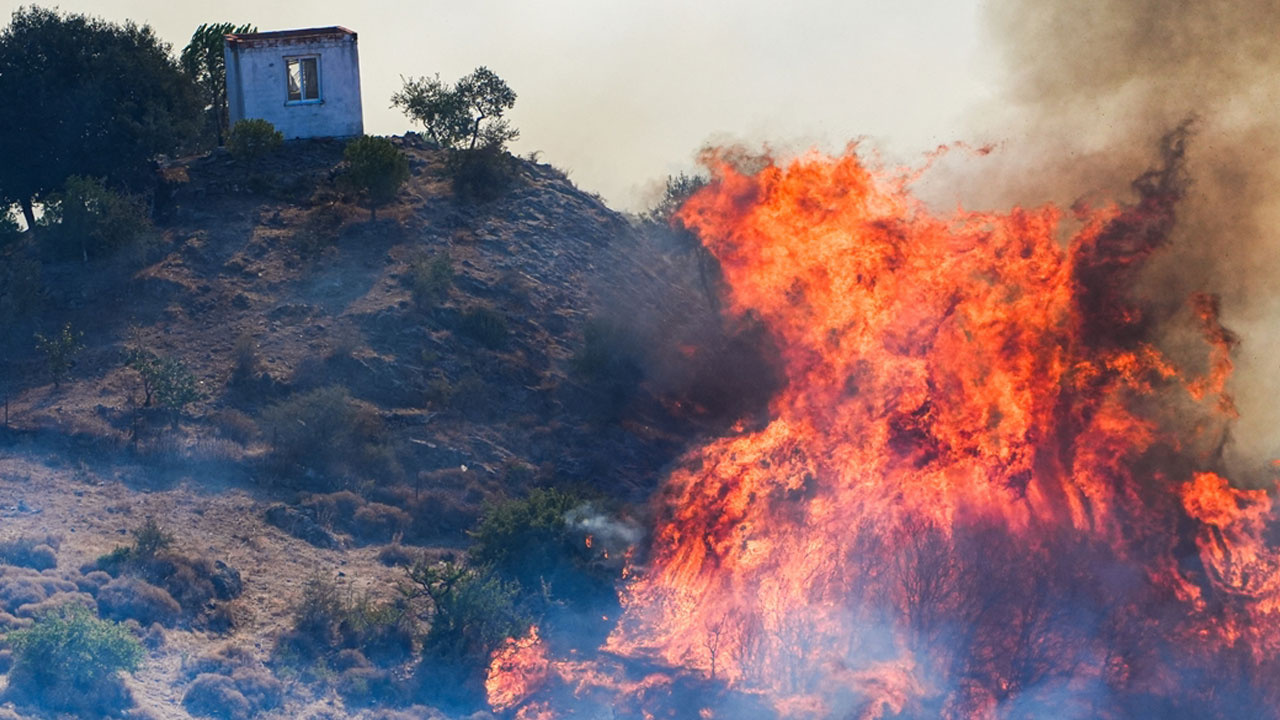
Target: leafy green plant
[69,646]
[165,380]
[376,167]
[253,139]
[59,351]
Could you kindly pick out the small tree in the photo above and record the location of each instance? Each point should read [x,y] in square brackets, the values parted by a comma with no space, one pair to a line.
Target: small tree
[469,112]
[59,351]
[253,139]
[376,167]
[165,380]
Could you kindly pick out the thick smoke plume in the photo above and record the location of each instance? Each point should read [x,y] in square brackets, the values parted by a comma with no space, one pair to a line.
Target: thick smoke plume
[1091,86]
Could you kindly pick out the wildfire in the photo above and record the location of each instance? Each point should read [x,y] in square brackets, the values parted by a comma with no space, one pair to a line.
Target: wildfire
[965,505]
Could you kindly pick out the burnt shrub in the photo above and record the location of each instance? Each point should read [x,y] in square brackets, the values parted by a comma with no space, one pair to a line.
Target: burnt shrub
[325,434]
[237,690]
[70,661]
[379,522]
[194,582]
[329,618]
[37,553]
[131,598]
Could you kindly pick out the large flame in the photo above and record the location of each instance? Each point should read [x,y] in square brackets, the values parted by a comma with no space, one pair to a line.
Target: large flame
[983,492]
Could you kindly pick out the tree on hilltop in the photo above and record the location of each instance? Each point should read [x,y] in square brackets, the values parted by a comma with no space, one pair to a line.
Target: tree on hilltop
[84,96]
[203,61]
[468,112]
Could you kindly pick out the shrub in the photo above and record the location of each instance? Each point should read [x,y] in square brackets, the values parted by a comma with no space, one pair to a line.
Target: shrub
[429,278]
[253,139]
[324,431]
[482,174]
[376,521]
[377,168]
[540,542]
[236,425]
[89,220]
[129,598]
[329,618]
[37,553]
[59,351]
[149,538]
[485,326]
[216,696]
[70,659]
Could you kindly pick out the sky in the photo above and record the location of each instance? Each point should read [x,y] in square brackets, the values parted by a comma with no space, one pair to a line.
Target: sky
[620,94]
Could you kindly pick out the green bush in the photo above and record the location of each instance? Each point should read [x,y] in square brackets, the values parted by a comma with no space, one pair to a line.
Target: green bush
[541,543]
[68,651]
[529,538]
[59,351]
[253,139]
[485,326]
[89,220]
[376,168]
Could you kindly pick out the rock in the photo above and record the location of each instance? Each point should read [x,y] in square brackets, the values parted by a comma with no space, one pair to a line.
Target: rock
[226,581]
[302,526]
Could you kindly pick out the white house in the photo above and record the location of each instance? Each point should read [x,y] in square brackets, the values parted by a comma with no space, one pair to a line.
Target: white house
[305,82]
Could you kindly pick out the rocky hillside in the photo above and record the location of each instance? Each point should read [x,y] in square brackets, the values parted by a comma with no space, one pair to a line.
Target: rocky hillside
[358,391]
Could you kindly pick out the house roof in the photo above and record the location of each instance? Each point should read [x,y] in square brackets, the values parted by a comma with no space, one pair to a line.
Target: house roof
[289,35]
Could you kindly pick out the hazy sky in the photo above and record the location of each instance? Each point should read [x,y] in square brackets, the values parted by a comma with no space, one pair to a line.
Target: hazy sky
[620,94]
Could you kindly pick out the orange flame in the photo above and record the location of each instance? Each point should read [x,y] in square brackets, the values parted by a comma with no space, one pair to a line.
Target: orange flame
[959,508]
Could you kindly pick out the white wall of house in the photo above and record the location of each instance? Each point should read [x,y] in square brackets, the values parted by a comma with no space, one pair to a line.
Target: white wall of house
[258,66]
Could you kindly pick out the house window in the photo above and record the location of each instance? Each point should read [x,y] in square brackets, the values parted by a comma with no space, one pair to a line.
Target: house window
[303,75]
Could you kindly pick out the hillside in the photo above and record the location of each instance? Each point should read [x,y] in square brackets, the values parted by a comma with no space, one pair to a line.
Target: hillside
[367,389]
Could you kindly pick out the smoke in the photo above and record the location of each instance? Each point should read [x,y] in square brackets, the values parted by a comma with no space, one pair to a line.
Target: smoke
[1091,89]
